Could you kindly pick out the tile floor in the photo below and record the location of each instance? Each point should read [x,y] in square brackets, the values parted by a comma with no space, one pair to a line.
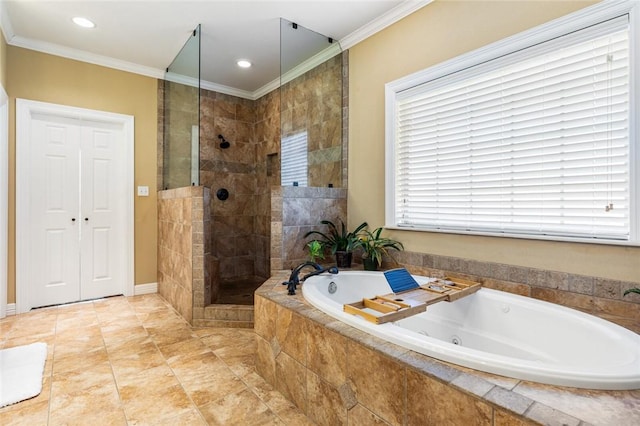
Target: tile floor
[135,361]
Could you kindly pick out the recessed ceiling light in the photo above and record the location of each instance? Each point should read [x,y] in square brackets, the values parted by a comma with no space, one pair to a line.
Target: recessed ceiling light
[243,63]
[83,22]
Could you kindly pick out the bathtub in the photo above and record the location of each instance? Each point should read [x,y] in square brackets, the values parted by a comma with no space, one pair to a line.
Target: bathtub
[496,332]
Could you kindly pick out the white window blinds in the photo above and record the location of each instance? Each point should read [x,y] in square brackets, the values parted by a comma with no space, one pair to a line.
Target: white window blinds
[535,142]
[294,160]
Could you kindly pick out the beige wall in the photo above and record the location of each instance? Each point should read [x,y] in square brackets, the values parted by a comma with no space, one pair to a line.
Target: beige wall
[437,32]
[3,61]
[37,76]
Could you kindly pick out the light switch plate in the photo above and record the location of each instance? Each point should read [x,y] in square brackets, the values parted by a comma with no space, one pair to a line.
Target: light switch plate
[143,191]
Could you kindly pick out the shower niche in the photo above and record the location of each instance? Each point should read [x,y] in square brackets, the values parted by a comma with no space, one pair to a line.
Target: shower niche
[221,159]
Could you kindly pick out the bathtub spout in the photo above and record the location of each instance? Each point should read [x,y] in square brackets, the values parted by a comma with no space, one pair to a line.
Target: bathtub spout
[331,269]
[294,278]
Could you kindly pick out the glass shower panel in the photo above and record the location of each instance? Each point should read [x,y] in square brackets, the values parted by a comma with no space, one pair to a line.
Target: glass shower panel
[181,156]
[311,107]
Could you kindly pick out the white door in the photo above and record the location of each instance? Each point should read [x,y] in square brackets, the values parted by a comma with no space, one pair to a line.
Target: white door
[4,198]
[75,210]
[102,263]
[54,213]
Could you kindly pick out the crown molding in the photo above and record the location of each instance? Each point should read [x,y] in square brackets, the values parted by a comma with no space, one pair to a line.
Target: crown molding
[5,23]
[404,9]
[227,90]
[208,85]
[394,15]
[267,88]
[305,66]
[298,70]
[84,56]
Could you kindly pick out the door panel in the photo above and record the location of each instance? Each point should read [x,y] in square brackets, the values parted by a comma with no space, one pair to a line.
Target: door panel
[102,265]
[54,213]
[54,257]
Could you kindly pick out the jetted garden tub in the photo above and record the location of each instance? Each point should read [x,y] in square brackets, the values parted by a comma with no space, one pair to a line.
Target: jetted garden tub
[495,332]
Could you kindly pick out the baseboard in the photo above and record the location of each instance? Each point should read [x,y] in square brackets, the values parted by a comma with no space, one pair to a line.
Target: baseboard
[139,289]
[148,288]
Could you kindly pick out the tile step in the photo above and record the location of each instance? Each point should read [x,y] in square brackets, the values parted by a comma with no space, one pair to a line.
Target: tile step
[222,323]
[229,312]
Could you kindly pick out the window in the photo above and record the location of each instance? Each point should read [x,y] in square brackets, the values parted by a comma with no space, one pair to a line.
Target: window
[294,160]
[535,142]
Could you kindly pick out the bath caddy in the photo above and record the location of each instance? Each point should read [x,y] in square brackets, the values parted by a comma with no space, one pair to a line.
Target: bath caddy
[396,306]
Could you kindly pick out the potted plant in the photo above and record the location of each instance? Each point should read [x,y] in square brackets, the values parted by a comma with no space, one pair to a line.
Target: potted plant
[315,250]
[341,242]
[374,247]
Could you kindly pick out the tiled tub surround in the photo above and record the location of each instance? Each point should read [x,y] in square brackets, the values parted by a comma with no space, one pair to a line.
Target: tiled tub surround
[597,296]
[337,374]
[294,212]
[493,331]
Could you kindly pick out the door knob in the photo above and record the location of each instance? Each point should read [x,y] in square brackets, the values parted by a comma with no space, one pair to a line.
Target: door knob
[86,219]
[73,219]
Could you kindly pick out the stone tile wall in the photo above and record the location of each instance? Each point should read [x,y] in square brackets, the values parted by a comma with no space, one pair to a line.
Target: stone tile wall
[312,102]
[160,129]
[296,211]
[180,114]
[267,174]
[240,231]
[598,296]
[337,374]
[232,236]
[345,118]
[185,280]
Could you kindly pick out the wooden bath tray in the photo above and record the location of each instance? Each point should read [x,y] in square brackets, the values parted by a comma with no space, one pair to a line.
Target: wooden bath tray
[381,309]
[396,306]
[454,288]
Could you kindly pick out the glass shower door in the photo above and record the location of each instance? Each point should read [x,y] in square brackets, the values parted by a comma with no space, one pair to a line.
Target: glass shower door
[181,156]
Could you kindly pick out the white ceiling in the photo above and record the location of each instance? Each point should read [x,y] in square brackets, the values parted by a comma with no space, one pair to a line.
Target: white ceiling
[144,36]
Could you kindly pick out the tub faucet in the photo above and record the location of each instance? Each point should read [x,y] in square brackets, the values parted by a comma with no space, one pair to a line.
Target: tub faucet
[294,279]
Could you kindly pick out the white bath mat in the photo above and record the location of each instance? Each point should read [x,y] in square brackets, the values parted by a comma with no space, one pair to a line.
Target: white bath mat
[21,372]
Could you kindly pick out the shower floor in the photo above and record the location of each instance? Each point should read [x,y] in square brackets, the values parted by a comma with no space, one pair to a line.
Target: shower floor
[238,292]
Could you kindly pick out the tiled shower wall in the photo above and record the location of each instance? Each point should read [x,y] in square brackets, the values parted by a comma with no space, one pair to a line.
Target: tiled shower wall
[250,167]
[177,122]
[186,269]
[296,211]
[239,240]
[313,103]
[233,235]
[267,174]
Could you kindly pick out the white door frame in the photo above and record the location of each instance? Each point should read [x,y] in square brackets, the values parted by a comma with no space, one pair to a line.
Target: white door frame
[4,198]
[25,109]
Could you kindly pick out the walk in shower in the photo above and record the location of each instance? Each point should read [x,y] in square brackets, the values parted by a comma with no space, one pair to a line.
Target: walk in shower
[223,155]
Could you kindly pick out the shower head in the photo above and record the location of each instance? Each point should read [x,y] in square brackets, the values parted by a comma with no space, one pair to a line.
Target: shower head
[224,144]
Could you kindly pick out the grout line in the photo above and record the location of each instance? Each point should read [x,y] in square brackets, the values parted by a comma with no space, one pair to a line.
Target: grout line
[113,374]
[53,360]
